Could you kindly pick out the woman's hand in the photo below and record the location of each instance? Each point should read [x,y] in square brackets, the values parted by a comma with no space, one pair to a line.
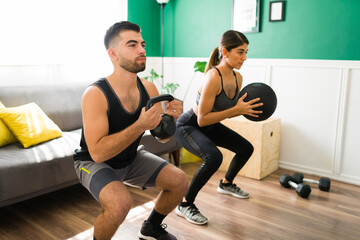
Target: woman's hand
[247,108]
[174,108]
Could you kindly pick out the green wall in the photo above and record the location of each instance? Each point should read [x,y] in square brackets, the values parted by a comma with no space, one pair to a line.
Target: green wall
[313,29]
[146,13]
[197,26]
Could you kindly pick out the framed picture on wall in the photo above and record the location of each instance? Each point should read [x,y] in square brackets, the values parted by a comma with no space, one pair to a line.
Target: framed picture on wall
[246,16]
[276,13]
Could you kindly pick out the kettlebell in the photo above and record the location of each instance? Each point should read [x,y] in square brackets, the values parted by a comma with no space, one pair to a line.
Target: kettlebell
[166,127]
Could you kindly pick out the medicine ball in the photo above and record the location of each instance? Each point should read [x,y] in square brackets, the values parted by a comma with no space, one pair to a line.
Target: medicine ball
[267,97]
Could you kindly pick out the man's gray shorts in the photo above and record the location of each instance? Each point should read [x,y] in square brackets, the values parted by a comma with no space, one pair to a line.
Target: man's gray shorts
[142,172]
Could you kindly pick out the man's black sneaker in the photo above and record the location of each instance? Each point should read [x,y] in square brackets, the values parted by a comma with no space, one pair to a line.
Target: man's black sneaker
[149,231]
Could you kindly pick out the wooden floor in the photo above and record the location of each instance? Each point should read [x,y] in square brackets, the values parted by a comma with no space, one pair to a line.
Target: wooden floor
[271,212]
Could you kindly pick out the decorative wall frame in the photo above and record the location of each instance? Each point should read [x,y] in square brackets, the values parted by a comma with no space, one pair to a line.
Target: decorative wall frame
[246,16]
[277,10]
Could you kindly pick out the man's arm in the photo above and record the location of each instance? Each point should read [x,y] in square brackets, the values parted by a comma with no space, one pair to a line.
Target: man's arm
[102,146]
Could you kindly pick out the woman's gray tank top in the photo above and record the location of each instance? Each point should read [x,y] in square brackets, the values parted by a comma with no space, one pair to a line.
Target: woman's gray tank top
[222,101]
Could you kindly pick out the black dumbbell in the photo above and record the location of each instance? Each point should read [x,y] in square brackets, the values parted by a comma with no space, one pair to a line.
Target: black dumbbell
[302,189]
[324,182]
[166,127]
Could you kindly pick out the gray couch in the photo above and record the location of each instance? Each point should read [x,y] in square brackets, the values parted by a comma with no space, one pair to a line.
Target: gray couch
[26,173]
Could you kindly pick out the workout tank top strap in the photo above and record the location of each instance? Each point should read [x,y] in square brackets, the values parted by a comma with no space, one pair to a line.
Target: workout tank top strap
[104,86]
[222,85]
[237,87]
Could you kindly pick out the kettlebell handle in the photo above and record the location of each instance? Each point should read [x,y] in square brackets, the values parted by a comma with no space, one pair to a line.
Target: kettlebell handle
[160,98]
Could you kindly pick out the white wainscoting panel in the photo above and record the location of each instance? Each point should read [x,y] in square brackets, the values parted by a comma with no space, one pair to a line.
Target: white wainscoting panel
[307,105]
[350,157]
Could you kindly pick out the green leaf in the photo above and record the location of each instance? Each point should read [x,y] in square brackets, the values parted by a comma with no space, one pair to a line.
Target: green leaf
[200,66]
[169,88]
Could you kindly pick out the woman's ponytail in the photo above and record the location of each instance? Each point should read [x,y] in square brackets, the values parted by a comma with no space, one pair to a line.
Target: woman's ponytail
[213,60]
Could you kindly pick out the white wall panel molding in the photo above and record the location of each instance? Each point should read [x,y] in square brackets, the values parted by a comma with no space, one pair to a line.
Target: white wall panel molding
[340,120]
[302,63]
[349,163]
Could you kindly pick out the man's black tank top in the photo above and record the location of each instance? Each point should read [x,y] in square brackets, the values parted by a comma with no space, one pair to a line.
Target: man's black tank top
[118,119]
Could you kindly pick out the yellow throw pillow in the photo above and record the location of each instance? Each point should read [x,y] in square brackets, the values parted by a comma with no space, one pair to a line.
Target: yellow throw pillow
[6,136]
[29,124]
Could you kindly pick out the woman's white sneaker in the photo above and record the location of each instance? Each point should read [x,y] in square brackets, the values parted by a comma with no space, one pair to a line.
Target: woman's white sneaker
[232,190]
[191,213]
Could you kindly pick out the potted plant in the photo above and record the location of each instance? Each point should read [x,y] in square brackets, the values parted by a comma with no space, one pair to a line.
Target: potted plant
[168,88]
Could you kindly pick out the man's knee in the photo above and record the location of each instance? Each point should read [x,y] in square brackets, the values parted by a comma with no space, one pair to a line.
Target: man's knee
[119,209]
[181,182]
[173,179]
[116,202]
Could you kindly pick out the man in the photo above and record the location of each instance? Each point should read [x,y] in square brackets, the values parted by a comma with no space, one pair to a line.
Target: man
[114,119]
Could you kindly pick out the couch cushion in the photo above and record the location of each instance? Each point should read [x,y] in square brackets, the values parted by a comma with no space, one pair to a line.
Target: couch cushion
[24,171]
[61,103]
[29,124]
[6,136]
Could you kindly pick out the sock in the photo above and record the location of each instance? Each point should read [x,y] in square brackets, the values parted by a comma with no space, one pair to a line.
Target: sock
[225,184]
[156,218]
[185,204]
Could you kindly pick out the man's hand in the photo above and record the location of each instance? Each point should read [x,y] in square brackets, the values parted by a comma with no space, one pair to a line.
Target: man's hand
[174,108]
[149,119]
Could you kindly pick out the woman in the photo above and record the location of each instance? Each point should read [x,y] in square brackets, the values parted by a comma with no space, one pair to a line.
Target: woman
[199,130]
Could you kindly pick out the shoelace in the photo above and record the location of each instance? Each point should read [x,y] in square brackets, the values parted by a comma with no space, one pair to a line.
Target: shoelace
[194,210]
[236,188]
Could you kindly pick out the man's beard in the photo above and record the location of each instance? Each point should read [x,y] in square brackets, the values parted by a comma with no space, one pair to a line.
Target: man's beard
[133,67]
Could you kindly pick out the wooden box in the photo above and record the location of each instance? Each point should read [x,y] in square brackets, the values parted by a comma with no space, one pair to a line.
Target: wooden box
[265,137]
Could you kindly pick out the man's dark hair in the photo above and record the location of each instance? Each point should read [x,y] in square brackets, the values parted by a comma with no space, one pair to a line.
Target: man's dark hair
[118,27]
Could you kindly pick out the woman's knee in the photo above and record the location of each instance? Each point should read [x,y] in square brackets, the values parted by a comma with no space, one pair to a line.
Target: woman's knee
[213,159]
[245,150]
[250,149]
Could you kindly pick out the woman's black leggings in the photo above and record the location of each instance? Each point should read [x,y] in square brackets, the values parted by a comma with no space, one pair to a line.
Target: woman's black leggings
[203,142]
